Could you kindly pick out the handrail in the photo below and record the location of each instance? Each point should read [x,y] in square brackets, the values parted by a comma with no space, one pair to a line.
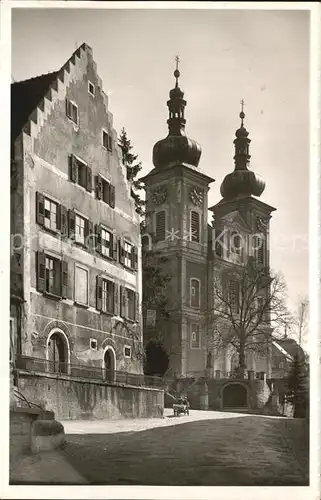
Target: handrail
[41,365]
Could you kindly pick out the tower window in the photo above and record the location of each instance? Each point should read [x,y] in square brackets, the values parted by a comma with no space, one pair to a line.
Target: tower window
[160,226]
[233,296]
[236,243]
[195,341]
[195,226]
[195,292]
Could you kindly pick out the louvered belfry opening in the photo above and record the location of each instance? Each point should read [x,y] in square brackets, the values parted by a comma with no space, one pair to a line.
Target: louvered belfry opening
[160,226]
[195,226]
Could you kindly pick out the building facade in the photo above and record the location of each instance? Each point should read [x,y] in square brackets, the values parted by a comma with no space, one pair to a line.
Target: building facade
[76,278]
[177,228]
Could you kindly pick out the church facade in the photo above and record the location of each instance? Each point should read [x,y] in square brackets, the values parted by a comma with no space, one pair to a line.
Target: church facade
[198,252]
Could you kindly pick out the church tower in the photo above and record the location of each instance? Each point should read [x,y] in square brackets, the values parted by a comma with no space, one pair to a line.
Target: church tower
[240,231]
[177,228]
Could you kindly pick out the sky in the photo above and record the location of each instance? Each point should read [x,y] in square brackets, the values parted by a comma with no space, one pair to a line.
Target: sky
[260,56]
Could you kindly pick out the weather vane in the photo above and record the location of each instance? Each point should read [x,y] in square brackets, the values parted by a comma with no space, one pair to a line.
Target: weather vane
[176,72]
[177,61]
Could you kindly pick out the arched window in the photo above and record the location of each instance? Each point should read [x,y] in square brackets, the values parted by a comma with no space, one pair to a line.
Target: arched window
[58,352]
[195,292]
[160,226]
[236,242]
[195,226]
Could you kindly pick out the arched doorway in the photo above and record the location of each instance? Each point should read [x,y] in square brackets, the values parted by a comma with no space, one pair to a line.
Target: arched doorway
[58,352]
[109,364]
[234,396]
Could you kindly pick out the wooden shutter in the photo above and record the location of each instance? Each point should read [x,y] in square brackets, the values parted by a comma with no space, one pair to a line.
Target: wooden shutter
[41,271]
[58,218]
[98,238]
[116,301]
[99,293]
[40,209]
[89,234]
[73,166]
[137,306]
[106,192]
[160,226]
[135,258]
[122,301]
[72,224]
[99,187]
[89,179]
[112,196]
[110,142]
[115,247]
[121,251]
[63,220]
[64,279]
[68,107]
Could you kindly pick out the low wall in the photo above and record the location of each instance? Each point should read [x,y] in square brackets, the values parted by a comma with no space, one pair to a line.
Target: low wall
[73,399]
[21,420]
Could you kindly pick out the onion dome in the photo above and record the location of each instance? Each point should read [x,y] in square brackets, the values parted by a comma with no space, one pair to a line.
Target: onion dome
[176,147]
[242,182]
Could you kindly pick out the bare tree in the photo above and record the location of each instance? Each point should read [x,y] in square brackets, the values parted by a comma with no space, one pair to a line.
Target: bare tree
[248,310]
[302,318]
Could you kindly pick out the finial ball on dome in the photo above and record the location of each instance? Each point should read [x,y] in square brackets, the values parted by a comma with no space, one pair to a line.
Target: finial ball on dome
[176,73]
[242,115]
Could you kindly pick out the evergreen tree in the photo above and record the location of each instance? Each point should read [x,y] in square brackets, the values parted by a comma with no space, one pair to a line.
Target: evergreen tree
[297,393]
[133,167]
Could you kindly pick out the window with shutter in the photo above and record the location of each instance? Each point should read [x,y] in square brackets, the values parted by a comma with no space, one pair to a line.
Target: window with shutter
[72,224]
[115,248]
[108,299]
[80,223]
[47,213]
[128,255]
[89,235]
[106,243]
[123,302]
[99,187]
[121,251]
[195,226]
[160,226]
[89,180]
[105,139]
[137,306]
[195,293]
[41,271]
[131,309]
[116,299]
[72,111]
[110,143]
[53,275]
[63,221]
[112,196]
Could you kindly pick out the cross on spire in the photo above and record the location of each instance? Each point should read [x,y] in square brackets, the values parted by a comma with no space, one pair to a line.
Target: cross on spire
[242,114]
[177,61]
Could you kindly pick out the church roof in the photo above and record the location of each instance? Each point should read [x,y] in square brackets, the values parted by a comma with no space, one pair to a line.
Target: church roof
[288,347]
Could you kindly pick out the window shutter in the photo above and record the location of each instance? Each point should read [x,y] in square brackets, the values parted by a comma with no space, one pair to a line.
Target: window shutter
[72,224]
[106,192]
[40,208]
[99,187]
[116,301]
[68,107]
[137,306]
[115,247]
[64,278]
[122,301]
[99,293]
[73,166]
[98,238]
[63,220]
[135,258]
[110,142]
[41,271]
[112,196]
[89,234]
[121,251]
[58,218]
[89,179]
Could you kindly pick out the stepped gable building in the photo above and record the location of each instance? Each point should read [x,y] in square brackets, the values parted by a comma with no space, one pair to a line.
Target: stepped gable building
[76,262]
[177,228]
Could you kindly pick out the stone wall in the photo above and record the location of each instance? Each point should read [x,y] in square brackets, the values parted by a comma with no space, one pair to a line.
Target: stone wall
[72,399]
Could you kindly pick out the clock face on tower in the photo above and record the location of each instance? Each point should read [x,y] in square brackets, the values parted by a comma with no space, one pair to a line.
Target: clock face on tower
[159,195]
[196,196]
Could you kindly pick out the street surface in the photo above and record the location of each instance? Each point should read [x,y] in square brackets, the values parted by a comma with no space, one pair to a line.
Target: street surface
[204,448]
